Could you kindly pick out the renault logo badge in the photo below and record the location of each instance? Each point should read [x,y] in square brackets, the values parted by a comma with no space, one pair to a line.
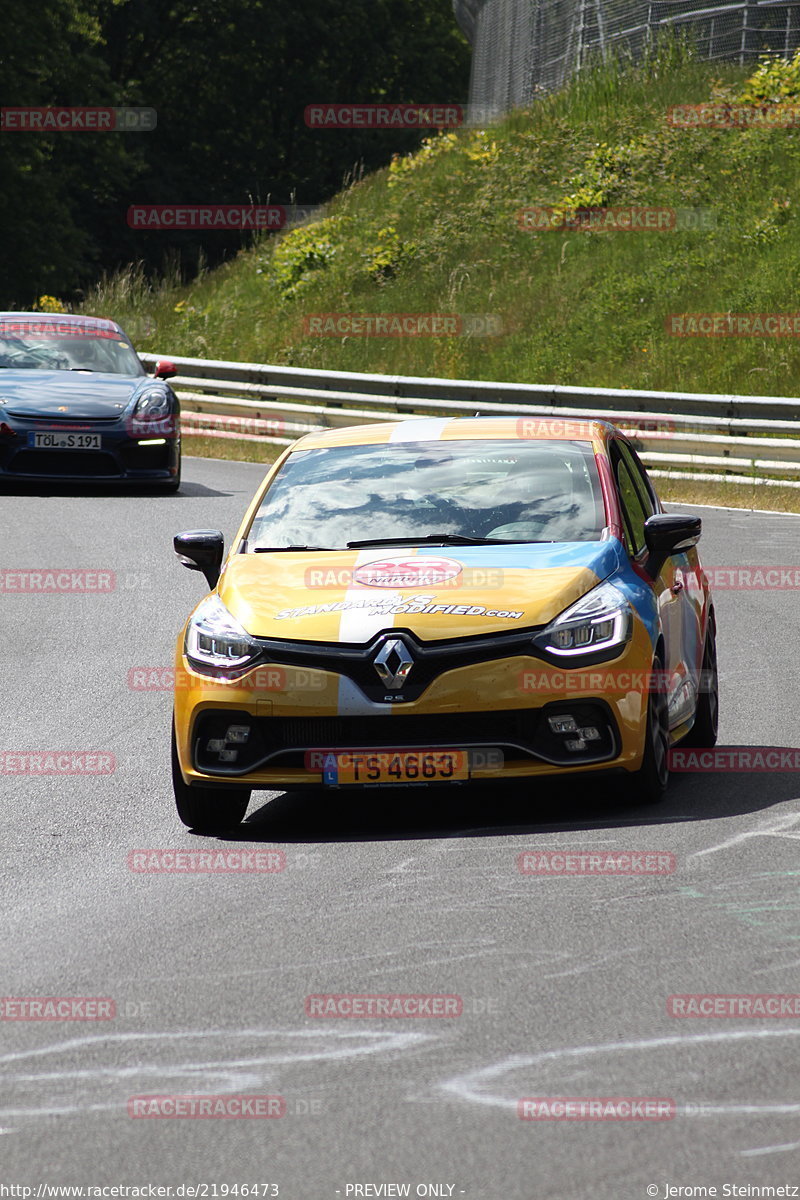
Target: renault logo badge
[393,662]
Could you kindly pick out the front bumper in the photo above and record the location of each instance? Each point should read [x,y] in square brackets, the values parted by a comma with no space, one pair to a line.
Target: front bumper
[124,456]
[498,711]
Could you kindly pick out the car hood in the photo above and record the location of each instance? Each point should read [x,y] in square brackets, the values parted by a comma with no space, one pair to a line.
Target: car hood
[350,595]
[47,393]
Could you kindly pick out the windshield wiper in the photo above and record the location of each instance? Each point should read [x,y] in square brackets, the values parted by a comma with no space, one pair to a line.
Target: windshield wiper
[283,549]
[448,539]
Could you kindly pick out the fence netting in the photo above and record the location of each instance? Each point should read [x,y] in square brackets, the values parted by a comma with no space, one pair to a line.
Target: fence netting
[524,47]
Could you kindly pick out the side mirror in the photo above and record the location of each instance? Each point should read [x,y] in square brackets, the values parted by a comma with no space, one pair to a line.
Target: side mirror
[669,533]
[201,550]
[165,369]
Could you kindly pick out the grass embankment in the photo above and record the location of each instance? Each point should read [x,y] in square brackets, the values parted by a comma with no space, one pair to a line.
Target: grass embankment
[438,232]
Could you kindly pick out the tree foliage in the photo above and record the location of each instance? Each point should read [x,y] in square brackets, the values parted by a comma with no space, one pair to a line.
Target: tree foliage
[230,80]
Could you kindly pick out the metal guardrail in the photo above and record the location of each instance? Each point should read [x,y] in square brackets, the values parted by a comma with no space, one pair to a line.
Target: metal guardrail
[745,439]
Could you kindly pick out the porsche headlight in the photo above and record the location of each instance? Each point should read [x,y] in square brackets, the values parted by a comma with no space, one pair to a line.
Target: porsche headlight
[154,414]
[600,620]
[153,405]
[215,639]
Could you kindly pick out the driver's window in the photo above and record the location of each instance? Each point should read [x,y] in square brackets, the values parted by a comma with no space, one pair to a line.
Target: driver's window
[633,511]
[637,474]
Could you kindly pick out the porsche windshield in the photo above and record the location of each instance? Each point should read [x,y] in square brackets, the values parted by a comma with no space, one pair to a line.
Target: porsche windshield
[519,491]
[49,346]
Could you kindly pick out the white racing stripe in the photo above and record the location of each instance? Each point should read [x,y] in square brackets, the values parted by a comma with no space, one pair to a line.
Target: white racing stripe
[353,702]
[424,429]
[359,625]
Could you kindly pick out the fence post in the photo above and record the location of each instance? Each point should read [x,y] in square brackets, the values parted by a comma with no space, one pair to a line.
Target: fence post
[601,33]
[745,43]
[581,31]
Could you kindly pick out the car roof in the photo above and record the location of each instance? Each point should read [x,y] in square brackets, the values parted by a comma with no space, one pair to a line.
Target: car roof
[60,319]
[427,429]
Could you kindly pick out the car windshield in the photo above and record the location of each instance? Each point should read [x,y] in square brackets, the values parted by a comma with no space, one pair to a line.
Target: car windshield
[523,491]
[49,346]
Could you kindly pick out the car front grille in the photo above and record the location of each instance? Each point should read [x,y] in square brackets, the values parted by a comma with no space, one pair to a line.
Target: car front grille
[93,464]
[285,741]
[440,729]
[63,418]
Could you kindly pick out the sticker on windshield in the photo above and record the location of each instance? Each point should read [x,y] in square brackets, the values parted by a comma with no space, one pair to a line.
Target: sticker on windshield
[407,572]
[393,606]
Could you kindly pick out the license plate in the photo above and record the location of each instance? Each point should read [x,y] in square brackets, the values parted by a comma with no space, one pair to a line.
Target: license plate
[346,768]
[64,441]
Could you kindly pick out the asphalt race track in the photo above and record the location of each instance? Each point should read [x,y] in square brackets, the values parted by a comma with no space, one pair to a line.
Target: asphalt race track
[563,981]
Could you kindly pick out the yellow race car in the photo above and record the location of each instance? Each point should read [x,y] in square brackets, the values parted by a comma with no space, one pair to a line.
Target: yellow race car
[430,602]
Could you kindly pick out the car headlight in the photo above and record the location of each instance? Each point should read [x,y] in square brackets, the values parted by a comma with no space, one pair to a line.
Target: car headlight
[153,415]
[600,620]
[215,639]
[153,405]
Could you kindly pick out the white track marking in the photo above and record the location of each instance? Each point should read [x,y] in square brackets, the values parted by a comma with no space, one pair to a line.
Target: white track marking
[469,1087]
[226,1074]
[778,827]
[770,1149]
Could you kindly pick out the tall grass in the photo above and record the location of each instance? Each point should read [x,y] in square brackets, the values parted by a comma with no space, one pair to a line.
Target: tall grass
[438,232]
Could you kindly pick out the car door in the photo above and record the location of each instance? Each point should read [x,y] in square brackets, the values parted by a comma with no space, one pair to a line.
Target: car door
[638,502]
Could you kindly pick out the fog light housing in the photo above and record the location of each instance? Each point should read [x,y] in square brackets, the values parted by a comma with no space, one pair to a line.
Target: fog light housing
[565,724]
[577,732]
[237,734]
[229,742]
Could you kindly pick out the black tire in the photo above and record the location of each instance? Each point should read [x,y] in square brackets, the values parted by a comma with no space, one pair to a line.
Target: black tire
[704,731]
[208,810]
[649,784]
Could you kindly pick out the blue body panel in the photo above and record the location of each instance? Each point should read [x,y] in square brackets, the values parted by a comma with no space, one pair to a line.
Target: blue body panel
[607,559]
